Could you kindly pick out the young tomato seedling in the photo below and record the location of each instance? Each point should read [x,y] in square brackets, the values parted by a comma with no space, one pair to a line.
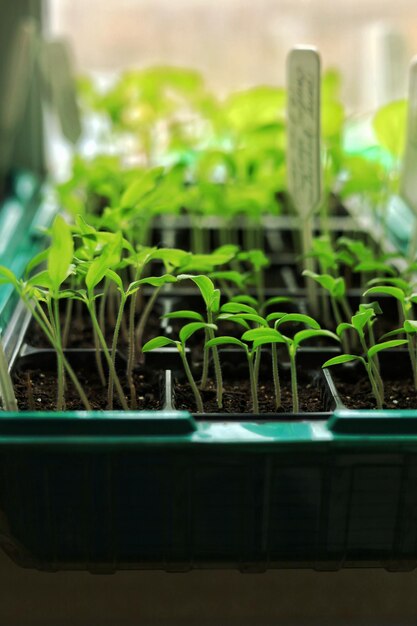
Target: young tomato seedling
[185,333]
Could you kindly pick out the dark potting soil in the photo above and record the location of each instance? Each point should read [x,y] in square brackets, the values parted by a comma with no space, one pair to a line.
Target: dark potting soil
[237,398]
[36,390]
[399,394]
[81,333]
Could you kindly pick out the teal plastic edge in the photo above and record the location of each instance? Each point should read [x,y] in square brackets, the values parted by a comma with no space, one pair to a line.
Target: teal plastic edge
[22,215]
[387,423]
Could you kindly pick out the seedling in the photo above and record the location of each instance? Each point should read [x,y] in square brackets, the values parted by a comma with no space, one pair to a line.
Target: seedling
[406,297]
[185,333]
[369,356]
[211,297]
[263,336]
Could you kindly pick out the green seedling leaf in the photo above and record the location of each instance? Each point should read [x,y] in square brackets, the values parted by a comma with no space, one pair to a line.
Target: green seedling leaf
[395,282]
[60,253]
[238,307]
[343,327]
[190,315]
[390,124]
[250,317]
[394,292]
[230,276]
[263,341]
[386,345]
[223,341]
[109,258]
[275,300]
[189,329]
[238,319]
[158,342]
[263,332]
[154,281]
[410,326]
[335,286]
[375,306]
[360,320]
[7,276]
[303,335]
[343,358]
[116,279]
[204,284]
[374,266]
[246,300]
[172,257]
[298,318]
[38,259]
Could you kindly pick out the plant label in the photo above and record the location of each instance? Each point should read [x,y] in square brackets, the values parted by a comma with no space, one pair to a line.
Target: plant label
[60,88]
[409,170]
[303,124]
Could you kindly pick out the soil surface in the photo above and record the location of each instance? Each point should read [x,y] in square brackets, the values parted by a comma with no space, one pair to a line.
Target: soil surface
[237,398]
[37,391]
[399,394]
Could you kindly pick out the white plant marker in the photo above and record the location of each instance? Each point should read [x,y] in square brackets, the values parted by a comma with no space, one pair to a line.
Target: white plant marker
[409,168]
[303,147]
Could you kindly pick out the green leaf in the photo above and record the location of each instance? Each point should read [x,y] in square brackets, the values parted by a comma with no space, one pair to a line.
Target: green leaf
[374,266]
[394,333]
[61,252]
[246,300]
[204,284]
[155,281]
[38,259]
[335,286]
[303,335]
[375,306]
[158,342]
[238,307]
[263,341]
[275,300]
[109,257]
[190,315]
[386,345]
[299,318]
[343,358]
[189,329]
[266,333]
[410,326]
[390,127]
[7,276]
[236,318]
[230,276]
[360,320]
[223,341]
[394,292]
[341,328]
[116,279]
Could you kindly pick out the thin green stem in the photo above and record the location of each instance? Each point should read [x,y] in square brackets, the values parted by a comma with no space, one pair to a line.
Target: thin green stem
[131,351]
[206,352]
[97,351]
[216,361]
[112,369]
[61,376]
[110,389]
[294,384]
[275,376]
[190,378]
[140,328]
[253,385]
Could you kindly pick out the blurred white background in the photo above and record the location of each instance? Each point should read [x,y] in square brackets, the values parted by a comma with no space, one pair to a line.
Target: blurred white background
[237,43]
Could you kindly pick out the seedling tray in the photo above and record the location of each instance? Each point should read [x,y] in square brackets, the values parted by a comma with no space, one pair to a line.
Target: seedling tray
[175,491]
[106,491]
